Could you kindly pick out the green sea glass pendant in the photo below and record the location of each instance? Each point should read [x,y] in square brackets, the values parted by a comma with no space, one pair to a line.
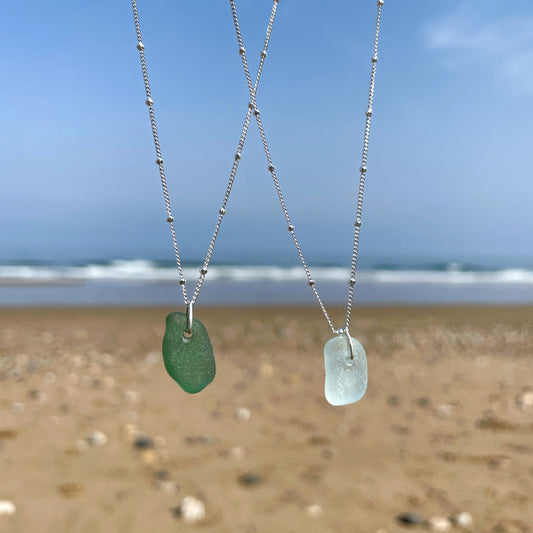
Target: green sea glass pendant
[189,358]
[346,370]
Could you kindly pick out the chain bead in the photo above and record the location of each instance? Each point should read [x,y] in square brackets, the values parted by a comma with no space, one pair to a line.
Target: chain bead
[257,112]
[170,219]
[221,211]
[140,46]
[380,2]
[251,105]
[159,161]
[263,54]
[271,168]
[358,222]
[311,282]
[374,59]
[238,156]
[363,169]
[291,228]
[182,282]
[203,271]
[369,112]
[242,50]
[351,282]
[149,102]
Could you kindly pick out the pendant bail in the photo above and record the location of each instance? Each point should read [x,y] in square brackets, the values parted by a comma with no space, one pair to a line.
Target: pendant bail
[346,333]
[189,317]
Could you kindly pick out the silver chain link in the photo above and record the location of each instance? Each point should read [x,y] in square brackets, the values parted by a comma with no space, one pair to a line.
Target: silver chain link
[159,160]
[362,170]
[272,170]
[252,108]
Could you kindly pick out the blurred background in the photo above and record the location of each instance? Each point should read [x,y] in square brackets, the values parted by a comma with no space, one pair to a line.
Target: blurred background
[447,207]
[95,436]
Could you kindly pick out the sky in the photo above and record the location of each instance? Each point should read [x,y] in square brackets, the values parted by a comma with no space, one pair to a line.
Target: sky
[450,160]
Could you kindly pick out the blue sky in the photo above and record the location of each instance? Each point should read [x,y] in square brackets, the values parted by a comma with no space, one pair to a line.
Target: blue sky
[450,161]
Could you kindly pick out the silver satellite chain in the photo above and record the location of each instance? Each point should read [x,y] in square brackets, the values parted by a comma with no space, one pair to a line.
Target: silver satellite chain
[253,109]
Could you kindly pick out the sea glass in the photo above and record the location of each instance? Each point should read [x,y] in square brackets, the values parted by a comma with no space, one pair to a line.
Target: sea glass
[189,359]
[346,378]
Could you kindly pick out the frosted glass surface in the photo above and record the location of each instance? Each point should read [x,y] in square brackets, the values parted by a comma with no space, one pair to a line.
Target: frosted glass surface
[188,360]
[346,378]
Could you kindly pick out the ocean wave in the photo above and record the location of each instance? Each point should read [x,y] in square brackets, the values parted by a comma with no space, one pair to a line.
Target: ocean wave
[141,270]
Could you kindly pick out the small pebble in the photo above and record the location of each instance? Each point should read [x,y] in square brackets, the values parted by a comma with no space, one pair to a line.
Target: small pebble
[423,402]
[525,400]
[97,438]
[250,479]
[237,452]
[410,519]
[440,524]
[162,475]
[243,414]
[267,370]
[444,410]
[130,431]
[393,401]
[18,407]
[142,442]
[8,434]
[314,511]
[133,396]
[319,440]
[149,457]
[70,490]
[326,454]
[462,519]
[191,510]
[152,359]
[37,395]
[499,462]
[200,439]
[168,487]
[7,508]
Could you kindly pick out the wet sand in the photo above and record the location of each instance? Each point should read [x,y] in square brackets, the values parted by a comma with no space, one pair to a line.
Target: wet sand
[94,435]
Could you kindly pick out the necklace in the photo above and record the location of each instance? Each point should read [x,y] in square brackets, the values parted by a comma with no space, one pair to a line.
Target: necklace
[187,350]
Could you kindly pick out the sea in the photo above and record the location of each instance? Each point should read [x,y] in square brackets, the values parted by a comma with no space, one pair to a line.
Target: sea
[150,282]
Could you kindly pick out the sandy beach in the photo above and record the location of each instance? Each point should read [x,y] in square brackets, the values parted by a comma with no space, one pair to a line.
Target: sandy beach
[94,435]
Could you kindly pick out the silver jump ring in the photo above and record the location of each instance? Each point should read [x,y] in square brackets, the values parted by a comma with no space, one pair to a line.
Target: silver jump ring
[189,318]
[346,333]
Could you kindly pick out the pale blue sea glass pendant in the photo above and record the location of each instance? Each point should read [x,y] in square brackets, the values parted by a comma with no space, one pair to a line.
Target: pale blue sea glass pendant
[346,370]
